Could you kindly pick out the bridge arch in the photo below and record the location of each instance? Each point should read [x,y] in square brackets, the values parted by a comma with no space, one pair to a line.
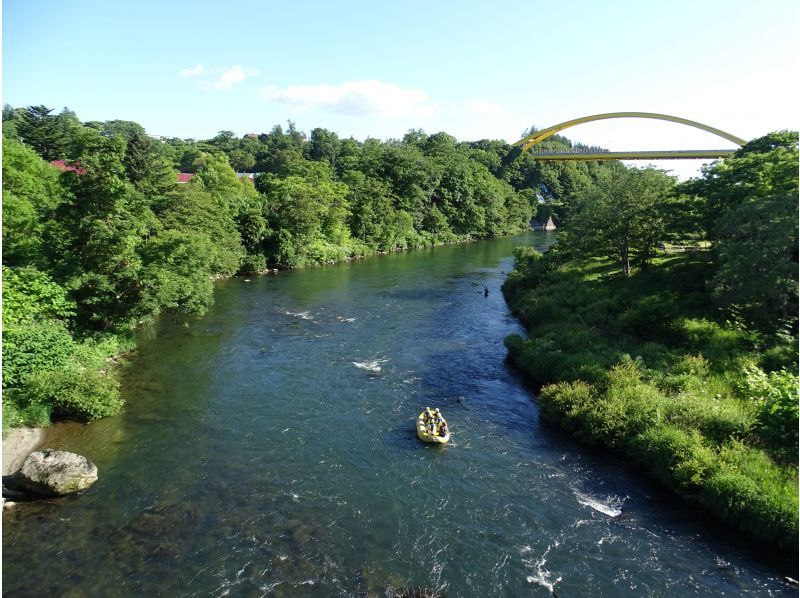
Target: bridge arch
[539,136]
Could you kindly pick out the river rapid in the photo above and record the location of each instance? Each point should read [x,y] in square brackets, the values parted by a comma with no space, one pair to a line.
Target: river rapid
[269,448]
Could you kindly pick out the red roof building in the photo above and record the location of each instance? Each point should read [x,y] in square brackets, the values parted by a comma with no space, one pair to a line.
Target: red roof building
[183,177]
[64,167]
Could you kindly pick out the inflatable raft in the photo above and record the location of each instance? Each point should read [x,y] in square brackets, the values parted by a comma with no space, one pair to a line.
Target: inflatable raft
[424,430]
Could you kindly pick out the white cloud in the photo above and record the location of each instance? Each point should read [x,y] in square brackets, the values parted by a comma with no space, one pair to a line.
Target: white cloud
[195,71]
[228,77]
[217,78]
[354,98]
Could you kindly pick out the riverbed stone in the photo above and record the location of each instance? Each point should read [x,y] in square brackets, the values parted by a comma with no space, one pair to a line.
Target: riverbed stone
[55,473]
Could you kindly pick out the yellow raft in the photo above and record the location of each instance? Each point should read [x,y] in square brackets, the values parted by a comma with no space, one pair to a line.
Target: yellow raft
[422,428]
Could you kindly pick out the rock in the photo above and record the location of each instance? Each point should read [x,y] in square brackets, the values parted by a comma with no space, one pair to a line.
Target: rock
[55,473]
[20,443]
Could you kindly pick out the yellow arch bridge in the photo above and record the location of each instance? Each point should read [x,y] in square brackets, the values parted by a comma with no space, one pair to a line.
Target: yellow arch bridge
[594,154]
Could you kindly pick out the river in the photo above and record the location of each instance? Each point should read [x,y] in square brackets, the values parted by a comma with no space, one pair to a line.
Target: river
[268,448]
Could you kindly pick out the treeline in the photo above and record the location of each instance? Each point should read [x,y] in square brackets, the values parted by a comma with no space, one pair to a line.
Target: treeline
[685,361]
[110,238]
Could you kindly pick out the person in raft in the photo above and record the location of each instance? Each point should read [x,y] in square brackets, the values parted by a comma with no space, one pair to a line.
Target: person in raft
[430,425]
[439,423]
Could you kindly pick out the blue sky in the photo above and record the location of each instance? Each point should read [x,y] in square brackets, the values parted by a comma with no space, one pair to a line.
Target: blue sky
[473,69]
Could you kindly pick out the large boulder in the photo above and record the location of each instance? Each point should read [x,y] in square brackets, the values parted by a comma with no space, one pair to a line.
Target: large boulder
[55,473]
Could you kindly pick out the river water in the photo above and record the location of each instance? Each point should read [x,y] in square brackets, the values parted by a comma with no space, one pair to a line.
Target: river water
[268,448]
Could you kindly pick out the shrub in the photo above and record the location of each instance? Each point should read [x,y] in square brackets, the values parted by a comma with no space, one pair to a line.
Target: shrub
[610,412]
[677,457]
[29,294]
[626,407]
[253,263]
[650,317]
[30,347]
[783,356]
[751,490]
[567,403]
[34,414]
[74,392]
[776,395]
[720,345]
[718,420]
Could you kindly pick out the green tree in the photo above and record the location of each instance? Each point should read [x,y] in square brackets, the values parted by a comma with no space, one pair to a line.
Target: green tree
[618,216]
[149,172]
[764,167]
[42,131]
[757,245]
[31,193]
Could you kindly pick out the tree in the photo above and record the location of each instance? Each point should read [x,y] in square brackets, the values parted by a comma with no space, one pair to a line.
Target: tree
[618,216]
[31,193]
[43,132]
[763,167]
[747,205]
[149,172]
[324,145]
[758,262]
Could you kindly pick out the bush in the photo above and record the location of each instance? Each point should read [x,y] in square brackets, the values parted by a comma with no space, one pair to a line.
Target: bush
[677,457]
[776,396]
[626,407]
[253,263]
[30,347]
[74,392]
[610,412]
[718,344]
[34,414]
[751,490]
[650,317]
[567,403]
[719,420]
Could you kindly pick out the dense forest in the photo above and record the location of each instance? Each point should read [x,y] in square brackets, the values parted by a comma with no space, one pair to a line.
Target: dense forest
[680,355]
[105,227]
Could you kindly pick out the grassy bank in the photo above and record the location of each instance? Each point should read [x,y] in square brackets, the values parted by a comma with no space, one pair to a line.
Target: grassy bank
[641,365]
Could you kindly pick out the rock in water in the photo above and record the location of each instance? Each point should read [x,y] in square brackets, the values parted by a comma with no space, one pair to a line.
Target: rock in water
[55,473]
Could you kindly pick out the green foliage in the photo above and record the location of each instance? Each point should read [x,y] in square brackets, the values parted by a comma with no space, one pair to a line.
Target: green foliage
[192,209]
[758,268]
[747,204]
[751,490]
[177,272]
[32,346]
[618,216]
[674,455]
[764,167]
[693,408]
[776,397]
[43,131]
[73,391]
[29,294]
[31,192]
[145,168]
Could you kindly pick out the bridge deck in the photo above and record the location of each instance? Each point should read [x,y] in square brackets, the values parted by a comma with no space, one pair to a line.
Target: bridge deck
[634,155]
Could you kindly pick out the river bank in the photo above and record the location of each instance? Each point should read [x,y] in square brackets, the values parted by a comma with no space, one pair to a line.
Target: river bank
[639,366]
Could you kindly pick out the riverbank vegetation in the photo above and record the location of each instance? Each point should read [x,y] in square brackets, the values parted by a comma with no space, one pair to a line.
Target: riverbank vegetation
[685,362]
[105,227]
